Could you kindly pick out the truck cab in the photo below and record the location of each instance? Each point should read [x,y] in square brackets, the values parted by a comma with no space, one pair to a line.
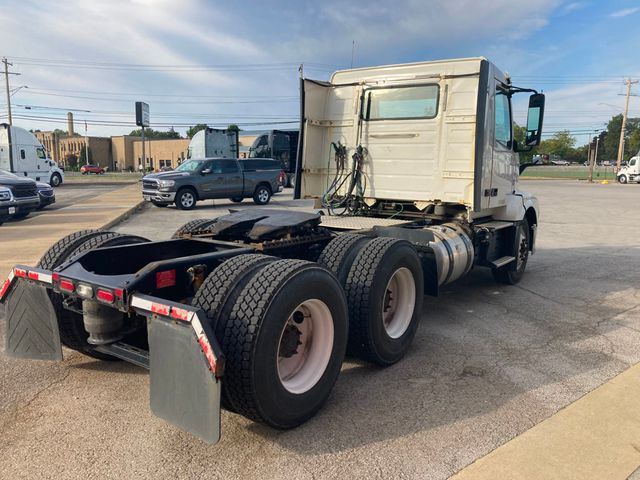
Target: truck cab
[22,154]
[631,172]
[281,145]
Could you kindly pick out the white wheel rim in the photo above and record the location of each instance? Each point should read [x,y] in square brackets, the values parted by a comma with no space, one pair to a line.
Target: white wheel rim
[55,181]
[263,195]
[187,200]
[399,302]
[301,366]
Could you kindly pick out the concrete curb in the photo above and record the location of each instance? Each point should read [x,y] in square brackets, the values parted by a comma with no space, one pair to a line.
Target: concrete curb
[123,216]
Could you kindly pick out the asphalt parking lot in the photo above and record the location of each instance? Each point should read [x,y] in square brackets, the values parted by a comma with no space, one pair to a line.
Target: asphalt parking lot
[489,362]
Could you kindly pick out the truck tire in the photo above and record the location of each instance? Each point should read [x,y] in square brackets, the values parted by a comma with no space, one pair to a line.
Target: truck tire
[262,195]
[21,215]
[199,225]
[284,343]
[220,291]
[186,199]
[384,290]
[339,254]
[159,205]
[70,324]
[512,273]
[56,180]
[622,178]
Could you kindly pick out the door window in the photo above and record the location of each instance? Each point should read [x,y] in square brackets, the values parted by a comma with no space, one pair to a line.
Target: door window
[40,153]
[503,119]
[224,166]
[632,162]
[22,154]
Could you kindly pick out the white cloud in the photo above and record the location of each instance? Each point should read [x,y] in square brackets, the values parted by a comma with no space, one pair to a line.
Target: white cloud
[571,7]
[625,12]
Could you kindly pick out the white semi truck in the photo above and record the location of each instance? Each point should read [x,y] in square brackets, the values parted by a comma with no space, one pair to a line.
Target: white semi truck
[22,154]
[415,170]
[631,172]
[213,142]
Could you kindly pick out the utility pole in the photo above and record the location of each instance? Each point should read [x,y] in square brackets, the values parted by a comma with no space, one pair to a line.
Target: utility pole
[353,51]
[6,81]
[589,155]
[86,145]
[624,124]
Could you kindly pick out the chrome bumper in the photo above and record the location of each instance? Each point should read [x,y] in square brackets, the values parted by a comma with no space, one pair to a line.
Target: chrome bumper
[158,196]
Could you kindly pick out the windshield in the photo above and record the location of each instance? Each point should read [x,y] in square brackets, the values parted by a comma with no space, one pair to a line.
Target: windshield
[190,166]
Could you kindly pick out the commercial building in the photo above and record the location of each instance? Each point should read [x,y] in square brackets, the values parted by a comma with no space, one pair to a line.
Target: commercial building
[159,153]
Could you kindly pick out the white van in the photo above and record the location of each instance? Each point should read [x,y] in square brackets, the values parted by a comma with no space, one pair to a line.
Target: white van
[22,154]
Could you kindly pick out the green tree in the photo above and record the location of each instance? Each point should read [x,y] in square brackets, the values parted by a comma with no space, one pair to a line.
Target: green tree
[195,129]
[58,131]
[151,133]
[233,127]
[71,161]
[560,144]
[82,159]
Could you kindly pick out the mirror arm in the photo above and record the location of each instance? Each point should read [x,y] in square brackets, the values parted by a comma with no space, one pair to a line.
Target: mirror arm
[513,89]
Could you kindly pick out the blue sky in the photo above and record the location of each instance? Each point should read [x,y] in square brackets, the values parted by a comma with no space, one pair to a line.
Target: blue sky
[242,57]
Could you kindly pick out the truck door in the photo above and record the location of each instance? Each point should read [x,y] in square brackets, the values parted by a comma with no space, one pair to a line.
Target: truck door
[504,161]
[222,178]
[281,150]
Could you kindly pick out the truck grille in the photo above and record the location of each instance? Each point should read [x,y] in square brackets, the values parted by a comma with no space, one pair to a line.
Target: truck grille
[149,185]
[24,191]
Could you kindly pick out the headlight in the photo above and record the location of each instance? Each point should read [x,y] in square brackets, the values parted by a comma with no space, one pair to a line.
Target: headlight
[5,194]
[166,183]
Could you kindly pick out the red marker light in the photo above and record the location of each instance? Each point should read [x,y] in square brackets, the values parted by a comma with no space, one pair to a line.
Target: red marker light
[105,296]
[67,286]
[119,292]
[55,277]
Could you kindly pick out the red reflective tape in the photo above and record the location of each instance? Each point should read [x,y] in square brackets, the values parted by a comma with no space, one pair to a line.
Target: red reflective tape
[160,309]
[20,272]
[208,352]
[180,314]
[5,287]
[33,276]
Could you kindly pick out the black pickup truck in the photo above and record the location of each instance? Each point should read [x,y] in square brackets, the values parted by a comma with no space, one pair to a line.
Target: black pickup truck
[18,196]
[211,178]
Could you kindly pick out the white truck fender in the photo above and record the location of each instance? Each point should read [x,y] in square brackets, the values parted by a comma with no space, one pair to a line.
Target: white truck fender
[518,206]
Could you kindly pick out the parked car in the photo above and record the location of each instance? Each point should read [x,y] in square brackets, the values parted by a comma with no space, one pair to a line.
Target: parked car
[46,194]
[210,178]
[86,169]
[563,163]
[18,196]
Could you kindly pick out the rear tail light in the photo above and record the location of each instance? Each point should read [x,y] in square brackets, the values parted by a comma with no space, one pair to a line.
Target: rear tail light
[67,286]
[105,296]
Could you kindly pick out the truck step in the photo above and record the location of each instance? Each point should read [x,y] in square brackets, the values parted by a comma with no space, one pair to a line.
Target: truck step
[126,352]
[496,225]
[502,261]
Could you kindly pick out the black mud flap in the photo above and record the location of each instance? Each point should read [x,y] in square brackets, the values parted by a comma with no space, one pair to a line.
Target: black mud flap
[184,391]
[31,324]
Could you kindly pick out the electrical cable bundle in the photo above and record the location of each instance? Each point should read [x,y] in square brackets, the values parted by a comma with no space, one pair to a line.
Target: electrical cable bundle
[349,203]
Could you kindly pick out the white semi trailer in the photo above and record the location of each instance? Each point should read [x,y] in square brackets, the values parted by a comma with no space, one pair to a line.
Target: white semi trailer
[213,142]
[415,170]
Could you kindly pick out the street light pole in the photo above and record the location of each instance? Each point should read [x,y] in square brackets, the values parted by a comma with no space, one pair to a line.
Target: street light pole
[624,124]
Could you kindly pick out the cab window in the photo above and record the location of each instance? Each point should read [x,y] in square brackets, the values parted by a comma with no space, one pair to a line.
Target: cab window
[401,103]
[632,162]
[503,120]
[40,153]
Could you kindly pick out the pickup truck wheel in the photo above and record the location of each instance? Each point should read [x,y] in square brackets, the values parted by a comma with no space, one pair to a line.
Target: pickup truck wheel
[56,180]
[199,225]
[219,293]
[622,179]
[284,343]
[384,290]
[21,215]
[237,199]
[262,195]
[71,325]
[513,272]
[186,199]
[339,254]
